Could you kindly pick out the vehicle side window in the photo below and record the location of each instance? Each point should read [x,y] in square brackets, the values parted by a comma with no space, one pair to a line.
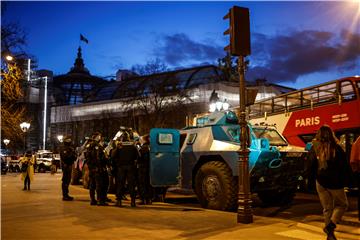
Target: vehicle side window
[235,134]
[347,90]
[191,139]
[165,138]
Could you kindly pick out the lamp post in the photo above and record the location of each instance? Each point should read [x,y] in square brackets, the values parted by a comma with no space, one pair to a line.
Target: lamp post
[6,142]
[244,196]
[45,112]
[24,127]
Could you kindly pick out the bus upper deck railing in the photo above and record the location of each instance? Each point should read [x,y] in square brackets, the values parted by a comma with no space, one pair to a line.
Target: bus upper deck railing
[337,91]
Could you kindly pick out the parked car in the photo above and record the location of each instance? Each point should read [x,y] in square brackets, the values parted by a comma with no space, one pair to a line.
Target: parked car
[13,163]
[4,165]
[46,161]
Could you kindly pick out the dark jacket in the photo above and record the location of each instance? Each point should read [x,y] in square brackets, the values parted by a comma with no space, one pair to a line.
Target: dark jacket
[336,175]
[67,154]
[126,154]
[95,156]
[144,158]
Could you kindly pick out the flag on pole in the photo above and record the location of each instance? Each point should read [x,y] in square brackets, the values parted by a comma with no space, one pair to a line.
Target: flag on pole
[82,38]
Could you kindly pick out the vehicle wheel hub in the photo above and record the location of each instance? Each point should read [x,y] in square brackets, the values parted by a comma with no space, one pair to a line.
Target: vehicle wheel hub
[211,187]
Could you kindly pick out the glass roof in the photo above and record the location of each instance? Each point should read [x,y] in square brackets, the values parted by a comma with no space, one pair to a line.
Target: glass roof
[168,83]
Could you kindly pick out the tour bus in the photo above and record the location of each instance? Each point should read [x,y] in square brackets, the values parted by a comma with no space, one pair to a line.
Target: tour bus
[299,114]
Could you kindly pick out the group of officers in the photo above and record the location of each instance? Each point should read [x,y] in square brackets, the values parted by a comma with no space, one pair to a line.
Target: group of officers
[127,161]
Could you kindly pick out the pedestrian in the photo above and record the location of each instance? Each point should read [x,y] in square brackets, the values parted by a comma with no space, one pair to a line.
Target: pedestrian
[27,169]
[95,159]
[105,174]
[327,162]
[145,189]
[67,158]
[124,158]
[355,165]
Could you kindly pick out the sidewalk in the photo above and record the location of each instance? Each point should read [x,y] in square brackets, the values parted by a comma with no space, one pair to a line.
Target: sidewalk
[41,214]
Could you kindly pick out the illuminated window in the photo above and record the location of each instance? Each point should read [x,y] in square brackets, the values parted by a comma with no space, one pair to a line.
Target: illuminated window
[165,138]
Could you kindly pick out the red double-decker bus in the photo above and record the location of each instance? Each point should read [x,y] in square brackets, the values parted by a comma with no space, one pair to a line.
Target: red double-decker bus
[299,114]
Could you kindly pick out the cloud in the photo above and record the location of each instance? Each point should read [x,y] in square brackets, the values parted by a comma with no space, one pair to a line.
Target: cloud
[179,49]
[286,57]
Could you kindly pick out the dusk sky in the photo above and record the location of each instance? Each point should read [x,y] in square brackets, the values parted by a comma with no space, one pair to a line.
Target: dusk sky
[297,44]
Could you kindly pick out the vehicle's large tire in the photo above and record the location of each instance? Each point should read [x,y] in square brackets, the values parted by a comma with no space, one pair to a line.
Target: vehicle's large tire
[216,187]
[17,168]
[85,176]
[75,175]
[41,168]
[276,197]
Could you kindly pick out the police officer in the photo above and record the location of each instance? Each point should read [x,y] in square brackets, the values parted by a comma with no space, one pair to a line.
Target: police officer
[145,190]
[67,157]
[96,161]
[124,158]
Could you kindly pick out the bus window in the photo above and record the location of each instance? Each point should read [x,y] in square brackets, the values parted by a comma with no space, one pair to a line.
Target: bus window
[347,91]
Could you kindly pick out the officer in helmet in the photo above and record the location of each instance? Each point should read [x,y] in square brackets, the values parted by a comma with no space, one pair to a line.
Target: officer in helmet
[67,157]
[124,158]
[96,161]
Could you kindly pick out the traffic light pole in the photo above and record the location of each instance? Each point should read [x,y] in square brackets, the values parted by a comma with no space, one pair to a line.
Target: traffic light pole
[244,212]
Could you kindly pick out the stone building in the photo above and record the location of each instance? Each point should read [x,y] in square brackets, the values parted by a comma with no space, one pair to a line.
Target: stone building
[86,104]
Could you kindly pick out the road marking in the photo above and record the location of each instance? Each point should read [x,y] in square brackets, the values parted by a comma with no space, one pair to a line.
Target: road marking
[300,234]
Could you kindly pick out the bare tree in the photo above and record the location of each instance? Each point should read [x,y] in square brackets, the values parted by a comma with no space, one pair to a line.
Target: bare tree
[12,110]
[151,67]
[158,93]
[13,41]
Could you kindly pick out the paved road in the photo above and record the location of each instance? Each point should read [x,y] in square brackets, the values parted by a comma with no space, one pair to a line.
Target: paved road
[41,214]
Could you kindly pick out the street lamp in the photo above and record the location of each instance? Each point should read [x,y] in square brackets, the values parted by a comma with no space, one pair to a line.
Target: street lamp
[60,138]
[6,141]
[216,104]
[9,58]
[24,127]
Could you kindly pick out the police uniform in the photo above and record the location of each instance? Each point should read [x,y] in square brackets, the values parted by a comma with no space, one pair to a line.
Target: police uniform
[96,161]
[67,157]
[145,190]
[124,158]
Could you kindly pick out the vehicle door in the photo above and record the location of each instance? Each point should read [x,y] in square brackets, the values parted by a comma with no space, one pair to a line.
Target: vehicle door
[164,157]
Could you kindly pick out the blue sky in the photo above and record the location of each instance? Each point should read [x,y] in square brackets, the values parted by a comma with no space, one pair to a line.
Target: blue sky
[293,43]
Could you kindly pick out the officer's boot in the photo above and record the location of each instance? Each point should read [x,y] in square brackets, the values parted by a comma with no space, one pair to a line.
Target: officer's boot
[118,203]
[133,203]
[329,230]
[92,197]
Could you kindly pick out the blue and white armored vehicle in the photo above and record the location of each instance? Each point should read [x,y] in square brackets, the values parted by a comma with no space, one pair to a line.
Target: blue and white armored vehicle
[204,159]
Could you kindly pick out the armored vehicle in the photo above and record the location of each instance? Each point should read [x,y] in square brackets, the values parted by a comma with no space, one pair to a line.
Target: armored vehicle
[204,159]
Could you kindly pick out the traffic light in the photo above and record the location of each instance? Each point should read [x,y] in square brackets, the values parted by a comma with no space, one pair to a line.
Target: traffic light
[239,31]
